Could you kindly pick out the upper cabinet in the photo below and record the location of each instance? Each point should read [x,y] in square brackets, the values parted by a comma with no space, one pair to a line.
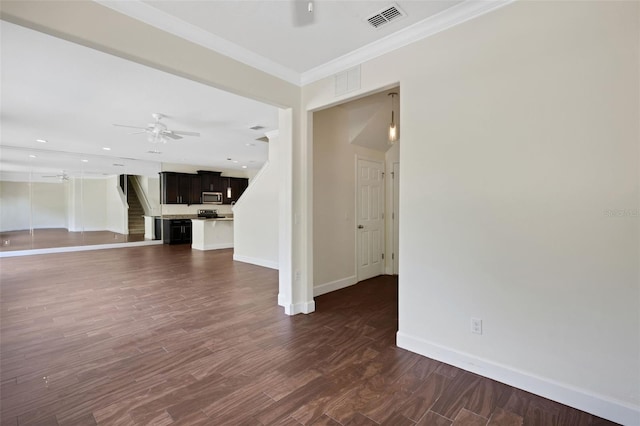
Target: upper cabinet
[195,189]
[187,188]
[211,181]
[175,188]
[238,185]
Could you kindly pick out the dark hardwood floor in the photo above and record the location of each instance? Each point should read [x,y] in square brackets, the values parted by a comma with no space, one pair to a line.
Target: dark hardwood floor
[163,335]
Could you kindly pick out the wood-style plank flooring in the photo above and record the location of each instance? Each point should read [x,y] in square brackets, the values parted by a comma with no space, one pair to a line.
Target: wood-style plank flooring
[163,335]
[60,237]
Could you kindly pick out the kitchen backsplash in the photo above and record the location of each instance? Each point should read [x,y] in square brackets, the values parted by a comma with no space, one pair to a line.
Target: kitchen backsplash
[172,209]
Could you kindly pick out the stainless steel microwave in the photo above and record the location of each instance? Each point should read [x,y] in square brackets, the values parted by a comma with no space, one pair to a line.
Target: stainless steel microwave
[212,198]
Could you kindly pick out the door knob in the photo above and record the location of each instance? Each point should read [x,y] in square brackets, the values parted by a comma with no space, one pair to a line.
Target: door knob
[360,226]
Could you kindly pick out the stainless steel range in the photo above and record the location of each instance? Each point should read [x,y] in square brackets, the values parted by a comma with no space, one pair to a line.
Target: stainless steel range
[209,214]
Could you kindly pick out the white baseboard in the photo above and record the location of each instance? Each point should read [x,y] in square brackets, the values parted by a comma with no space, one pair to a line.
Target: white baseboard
[255,261]
[78,248]
[217,246]
[599,405]
[334,285]
[296,308]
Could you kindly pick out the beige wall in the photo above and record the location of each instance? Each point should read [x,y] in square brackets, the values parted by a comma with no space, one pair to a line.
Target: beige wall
[520,131]
[87,206]
[46,209]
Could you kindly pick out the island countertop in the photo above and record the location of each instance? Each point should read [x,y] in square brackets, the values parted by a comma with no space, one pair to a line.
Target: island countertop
[212,218]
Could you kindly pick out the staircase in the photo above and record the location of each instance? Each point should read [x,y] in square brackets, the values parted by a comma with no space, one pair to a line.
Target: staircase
[136,212]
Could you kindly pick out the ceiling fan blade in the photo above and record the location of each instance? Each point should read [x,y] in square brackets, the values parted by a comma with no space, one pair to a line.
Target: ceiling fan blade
[137,133]
[131,127]
[184,133]
[170,134]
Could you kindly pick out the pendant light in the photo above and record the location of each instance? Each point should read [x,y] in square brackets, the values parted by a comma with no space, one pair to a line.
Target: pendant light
[393,129]
[229,188]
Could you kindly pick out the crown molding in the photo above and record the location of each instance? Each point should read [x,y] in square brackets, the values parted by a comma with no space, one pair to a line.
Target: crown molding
[143,12]
[446,19]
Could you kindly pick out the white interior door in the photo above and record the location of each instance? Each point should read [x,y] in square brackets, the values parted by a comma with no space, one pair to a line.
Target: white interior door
[370,223]
[395,215]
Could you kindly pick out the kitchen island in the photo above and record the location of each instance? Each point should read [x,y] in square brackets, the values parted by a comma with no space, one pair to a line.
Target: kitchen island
[212,233]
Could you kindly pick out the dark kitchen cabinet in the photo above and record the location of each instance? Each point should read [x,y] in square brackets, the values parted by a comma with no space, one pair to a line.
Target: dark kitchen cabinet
[186,188]
[195,190]
[180,188]
[169,188]
[177,231]
[211,181]
[237,185]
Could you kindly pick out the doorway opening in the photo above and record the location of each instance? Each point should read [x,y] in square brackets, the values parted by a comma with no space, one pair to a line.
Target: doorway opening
[353,212]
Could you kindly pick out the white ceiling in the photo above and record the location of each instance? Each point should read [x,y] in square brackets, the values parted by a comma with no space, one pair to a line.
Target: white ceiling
[282,38]
[71,95]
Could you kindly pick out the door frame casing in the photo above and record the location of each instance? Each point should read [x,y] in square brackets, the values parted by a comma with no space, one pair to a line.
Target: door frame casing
[395,222]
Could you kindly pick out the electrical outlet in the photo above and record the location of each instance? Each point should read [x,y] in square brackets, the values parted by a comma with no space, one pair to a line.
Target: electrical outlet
[476,325]
[297,275]
[6,243]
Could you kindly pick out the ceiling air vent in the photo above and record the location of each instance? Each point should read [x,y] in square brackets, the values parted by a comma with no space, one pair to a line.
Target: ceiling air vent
[388,14]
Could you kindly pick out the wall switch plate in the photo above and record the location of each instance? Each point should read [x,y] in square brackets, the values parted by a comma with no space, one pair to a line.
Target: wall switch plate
[476,325]
[297,275]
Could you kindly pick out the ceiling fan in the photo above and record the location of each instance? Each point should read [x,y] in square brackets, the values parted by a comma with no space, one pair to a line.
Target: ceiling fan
[62,176]
[158,131]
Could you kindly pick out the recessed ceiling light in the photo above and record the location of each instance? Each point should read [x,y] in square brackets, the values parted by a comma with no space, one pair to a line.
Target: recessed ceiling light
[106,148]
[235,161]
[41,140]
[244,167]
[118,165]
[250,144]
[32,156]
[257,127]
[84,161]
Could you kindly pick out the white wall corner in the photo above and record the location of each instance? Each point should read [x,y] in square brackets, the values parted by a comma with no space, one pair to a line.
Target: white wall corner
[334,285]
[599,405]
